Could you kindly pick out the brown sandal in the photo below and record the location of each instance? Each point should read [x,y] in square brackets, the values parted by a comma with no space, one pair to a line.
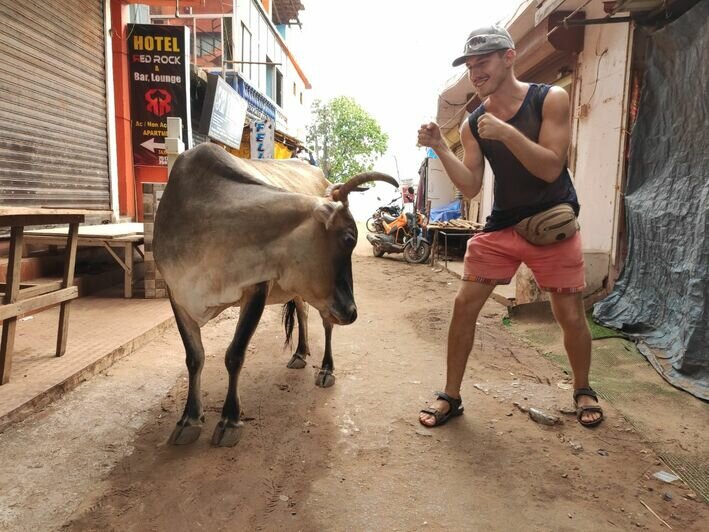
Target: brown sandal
[455,409]
[580,410]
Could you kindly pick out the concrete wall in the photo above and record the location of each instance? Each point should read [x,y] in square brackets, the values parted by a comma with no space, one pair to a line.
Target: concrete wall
[599,128]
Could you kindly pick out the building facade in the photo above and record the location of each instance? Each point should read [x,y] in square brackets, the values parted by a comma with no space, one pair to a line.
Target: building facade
[56,129]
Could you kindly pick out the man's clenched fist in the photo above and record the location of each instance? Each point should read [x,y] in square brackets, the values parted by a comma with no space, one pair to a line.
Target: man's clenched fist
[429,135]
[492,128]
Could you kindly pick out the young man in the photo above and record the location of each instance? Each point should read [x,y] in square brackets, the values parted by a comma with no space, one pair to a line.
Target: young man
[523,131]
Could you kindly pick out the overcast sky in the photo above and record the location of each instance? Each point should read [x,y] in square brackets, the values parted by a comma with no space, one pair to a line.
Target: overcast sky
[392,57]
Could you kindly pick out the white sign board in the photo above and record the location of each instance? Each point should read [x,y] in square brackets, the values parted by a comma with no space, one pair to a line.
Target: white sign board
[262,139]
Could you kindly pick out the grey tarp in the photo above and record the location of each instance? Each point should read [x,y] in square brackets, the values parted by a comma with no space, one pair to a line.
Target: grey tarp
[662,296]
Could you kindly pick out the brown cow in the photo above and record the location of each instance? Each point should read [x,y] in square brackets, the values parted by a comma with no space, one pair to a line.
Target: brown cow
[224,237]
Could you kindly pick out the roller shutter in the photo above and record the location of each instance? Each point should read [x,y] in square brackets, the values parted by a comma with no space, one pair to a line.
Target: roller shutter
[53,138]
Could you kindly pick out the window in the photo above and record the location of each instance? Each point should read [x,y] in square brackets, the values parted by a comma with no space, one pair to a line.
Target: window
[207,43]
[279,88]
[270,74]
[246,51]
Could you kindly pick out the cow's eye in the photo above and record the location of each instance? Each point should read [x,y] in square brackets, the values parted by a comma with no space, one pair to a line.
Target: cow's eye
[349,240]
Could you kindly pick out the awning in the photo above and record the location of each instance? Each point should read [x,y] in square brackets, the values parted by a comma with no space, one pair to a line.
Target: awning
[259,105]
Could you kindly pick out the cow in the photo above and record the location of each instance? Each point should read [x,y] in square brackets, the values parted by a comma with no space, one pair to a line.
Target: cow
[225,237]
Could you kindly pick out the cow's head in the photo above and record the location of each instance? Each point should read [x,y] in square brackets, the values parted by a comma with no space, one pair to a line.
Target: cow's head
[335,297]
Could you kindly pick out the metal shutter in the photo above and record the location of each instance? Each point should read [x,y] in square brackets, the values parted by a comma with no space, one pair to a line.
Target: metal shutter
[53,138]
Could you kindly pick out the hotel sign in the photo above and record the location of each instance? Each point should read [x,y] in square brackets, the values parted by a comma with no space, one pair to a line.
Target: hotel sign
[159,88]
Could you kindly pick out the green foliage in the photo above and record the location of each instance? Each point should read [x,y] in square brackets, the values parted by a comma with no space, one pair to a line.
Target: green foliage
[347,140]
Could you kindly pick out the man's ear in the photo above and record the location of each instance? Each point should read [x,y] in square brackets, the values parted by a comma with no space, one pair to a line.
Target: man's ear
[325,214]
[510,56]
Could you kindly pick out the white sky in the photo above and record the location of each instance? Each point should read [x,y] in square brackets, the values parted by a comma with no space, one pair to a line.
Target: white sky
[392,57]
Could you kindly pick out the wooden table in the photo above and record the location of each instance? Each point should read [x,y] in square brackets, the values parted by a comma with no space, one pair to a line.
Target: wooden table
[125,236]
[446,232]
[17,298]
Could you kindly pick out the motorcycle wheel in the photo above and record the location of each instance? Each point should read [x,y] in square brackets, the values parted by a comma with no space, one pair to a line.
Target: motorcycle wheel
[377,250]
[372,225]
[419,255]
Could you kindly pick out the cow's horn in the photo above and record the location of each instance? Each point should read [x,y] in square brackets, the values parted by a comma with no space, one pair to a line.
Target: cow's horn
[340,193]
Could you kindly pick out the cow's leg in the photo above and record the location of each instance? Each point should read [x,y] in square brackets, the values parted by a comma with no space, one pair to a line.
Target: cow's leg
[228,431]
[190,425]
[325,377]
[297,361]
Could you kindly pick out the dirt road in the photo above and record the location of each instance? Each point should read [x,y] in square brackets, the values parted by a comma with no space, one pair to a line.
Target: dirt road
[351,457]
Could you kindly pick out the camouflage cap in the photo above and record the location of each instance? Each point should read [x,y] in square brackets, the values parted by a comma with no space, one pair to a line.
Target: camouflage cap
[484,41]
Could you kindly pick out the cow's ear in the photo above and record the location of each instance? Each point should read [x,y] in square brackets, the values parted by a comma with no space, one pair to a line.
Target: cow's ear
[325,214]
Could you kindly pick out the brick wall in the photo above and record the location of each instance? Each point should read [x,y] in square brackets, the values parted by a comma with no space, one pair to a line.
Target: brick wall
[154,283]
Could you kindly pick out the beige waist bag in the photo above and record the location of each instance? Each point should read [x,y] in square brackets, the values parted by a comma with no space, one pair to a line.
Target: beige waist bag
[550,226]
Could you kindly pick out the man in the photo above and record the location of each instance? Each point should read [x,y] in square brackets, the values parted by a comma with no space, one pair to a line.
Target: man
[523,131]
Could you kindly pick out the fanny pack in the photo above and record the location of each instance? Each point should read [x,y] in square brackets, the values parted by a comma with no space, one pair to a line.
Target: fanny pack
[550,226]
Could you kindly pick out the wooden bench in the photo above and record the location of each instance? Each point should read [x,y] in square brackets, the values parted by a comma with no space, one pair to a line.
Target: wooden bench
[19,298]
[125,236]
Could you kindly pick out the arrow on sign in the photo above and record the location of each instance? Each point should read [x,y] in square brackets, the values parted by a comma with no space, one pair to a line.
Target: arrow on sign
[151,145]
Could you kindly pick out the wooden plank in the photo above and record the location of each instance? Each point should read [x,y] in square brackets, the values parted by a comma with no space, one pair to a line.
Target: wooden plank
[128,274]
[38,290]
[69,266]
[32,289]
[109,231]
[34,303]
[116,257]
[9,324]
[83,241]
[22,216]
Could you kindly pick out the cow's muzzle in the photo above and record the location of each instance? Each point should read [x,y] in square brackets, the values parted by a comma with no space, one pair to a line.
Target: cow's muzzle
[343,317]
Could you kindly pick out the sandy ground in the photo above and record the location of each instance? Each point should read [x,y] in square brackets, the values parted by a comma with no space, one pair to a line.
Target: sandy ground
[351,457]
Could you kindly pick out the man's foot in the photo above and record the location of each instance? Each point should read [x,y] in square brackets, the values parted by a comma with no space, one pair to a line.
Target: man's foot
[441,410]
[588,411]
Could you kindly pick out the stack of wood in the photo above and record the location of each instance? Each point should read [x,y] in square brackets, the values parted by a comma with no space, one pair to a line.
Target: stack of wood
[457,224]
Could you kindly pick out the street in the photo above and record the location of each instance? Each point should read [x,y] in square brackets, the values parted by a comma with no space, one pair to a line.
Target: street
[350,457]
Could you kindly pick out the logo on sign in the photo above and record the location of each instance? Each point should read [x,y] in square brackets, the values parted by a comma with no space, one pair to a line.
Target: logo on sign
[158,101]
[260,139]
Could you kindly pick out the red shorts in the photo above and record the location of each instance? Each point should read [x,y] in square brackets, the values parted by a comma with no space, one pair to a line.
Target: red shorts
[493,258]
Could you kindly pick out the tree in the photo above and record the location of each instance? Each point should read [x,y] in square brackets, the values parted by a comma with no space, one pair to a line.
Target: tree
[347,140]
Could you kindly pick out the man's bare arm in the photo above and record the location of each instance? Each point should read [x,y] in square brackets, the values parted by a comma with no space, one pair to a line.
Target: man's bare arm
[545,159]
[466,175]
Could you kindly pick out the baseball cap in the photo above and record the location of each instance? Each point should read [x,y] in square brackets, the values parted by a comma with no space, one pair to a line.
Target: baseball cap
[484,41]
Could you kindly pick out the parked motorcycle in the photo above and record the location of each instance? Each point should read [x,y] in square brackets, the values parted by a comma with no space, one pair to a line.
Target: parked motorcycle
[374,223]
[402,234]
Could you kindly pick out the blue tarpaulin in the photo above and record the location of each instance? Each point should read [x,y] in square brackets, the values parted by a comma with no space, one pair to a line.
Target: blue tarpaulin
[447,212]
[662,296]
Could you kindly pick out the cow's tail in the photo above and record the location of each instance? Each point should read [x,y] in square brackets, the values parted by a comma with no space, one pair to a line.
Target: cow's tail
[289,320]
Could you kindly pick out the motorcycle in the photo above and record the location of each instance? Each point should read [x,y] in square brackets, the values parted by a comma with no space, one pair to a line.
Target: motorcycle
[374,223]
[402,234]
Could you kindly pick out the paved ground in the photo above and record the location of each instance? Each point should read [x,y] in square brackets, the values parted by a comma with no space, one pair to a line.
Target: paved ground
[351,457]
[102,329]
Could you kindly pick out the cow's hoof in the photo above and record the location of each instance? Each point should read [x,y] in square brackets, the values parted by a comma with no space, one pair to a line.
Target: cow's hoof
[227,433]
[324,379]
[297,361]
[185,434]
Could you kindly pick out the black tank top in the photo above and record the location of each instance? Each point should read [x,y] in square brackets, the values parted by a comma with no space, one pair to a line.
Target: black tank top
[518,193]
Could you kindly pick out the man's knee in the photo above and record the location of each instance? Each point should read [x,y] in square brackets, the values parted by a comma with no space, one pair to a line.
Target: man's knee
[572,319]
[469,303]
